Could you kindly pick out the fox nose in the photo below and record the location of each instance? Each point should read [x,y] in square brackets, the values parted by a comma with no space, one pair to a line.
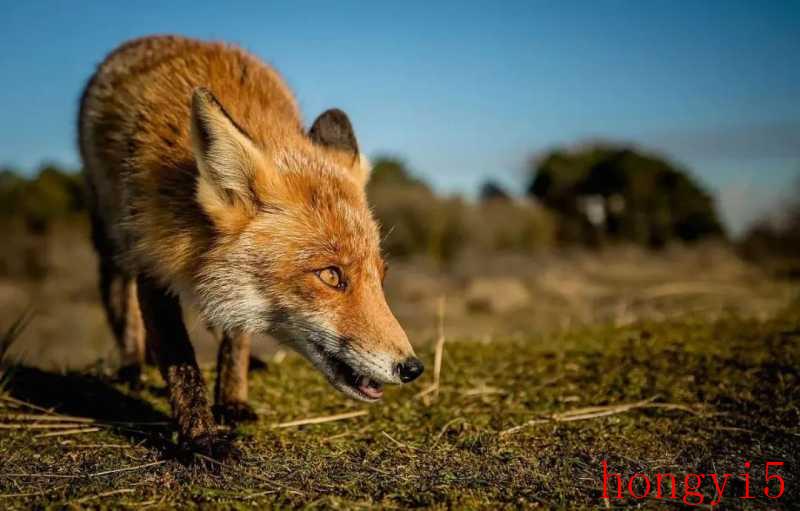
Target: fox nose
[410,369]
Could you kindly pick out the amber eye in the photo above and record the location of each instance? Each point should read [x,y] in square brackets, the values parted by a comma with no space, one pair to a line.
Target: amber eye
[331,276]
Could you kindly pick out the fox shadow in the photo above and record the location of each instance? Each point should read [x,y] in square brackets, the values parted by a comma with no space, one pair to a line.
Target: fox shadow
[89,396]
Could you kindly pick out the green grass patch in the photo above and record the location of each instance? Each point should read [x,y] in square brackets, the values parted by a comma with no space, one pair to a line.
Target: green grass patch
[725,392]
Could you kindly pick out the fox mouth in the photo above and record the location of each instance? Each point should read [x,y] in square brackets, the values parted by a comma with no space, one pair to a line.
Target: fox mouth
[343,375]
[348,380]
[358,375]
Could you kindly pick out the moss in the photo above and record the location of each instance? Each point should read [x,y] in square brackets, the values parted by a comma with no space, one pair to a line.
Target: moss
[738,379]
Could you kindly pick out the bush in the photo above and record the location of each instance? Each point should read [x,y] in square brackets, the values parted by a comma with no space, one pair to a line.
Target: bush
[511,226]
[414,220]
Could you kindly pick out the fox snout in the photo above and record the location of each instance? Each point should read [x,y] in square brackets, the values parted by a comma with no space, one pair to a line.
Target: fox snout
[388,337]
[369,350]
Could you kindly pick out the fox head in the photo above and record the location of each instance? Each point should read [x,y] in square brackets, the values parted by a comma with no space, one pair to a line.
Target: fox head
[296,251]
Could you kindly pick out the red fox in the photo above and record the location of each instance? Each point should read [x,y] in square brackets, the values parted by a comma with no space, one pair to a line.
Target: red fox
[205,189]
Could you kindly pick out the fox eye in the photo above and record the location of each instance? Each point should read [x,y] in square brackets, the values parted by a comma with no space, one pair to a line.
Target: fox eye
[332,276]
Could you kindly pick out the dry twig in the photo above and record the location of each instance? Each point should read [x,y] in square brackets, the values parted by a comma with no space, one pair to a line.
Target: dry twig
[68,443]
[594,412]
[127,469]
[438,356]
[39,426]
[482,390]
[67,432]
[397,442]
[46,418]
[320,420]
[32,406]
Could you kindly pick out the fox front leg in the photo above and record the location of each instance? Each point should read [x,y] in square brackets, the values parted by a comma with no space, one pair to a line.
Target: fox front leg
[230,391]
[167,336]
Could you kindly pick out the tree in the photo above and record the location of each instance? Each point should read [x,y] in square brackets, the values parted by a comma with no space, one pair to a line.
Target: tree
[618,192]
[391,171]
[491,191]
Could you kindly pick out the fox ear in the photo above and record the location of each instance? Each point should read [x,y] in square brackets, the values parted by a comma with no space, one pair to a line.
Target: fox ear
[333,130]
[229,164]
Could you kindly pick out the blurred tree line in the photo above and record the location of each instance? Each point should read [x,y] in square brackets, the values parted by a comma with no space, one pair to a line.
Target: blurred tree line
[52,193]
[415,220]
[775,239]
[584,196]
[29,207]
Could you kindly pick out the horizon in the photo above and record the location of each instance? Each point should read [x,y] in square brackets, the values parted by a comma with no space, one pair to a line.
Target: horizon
[465,93]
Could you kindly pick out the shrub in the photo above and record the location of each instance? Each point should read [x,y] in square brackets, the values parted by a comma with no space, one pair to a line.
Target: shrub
[511,226]
[414,220]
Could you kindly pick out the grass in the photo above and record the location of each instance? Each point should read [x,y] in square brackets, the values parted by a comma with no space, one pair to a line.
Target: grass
[675,396]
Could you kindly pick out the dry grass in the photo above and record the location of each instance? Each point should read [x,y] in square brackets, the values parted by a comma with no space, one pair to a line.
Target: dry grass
[565,290]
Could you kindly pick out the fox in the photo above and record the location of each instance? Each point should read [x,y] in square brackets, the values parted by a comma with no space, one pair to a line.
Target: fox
[205,190]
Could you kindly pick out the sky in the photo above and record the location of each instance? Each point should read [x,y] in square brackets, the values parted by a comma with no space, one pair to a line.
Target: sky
[464,91]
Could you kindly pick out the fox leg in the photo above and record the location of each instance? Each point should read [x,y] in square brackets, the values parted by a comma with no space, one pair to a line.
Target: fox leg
[167,337]
[129,327]
[230,391]
[121,303]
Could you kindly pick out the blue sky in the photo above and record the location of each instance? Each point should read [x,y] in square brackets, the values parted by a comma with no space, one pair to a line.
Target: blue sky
[465,91]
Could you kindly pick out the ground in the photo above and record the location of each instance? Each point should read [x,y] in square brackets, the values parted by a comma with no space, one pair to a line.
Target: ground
[681,361]
[682,395]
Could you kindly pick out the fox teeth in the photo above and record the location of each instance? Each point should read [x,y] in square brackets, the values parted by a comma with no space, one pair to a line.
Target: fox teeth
[366,381]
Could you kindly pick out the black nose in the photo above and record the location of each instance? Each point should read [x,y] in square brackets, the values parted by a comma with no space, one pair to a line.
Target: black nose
[410,369]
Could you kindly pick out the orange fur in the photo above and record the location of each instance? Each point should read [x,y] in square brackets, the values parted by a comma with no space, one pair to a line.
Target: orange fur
[205,184]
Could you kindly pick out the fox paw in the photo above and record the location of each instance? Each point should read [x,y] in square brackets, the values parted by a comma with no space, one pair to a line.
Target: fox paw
[234,413]
[210,448]
[131,375]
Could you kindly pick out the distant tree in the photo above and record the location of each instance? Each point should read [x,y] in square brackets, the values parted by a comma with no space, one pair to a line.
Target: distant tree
[492,190]
[391,171]
[618,192]
[413,219]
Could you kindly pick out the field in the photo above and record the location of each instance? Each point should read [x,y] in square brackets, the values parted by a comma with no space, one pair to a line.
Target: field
[684,362]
